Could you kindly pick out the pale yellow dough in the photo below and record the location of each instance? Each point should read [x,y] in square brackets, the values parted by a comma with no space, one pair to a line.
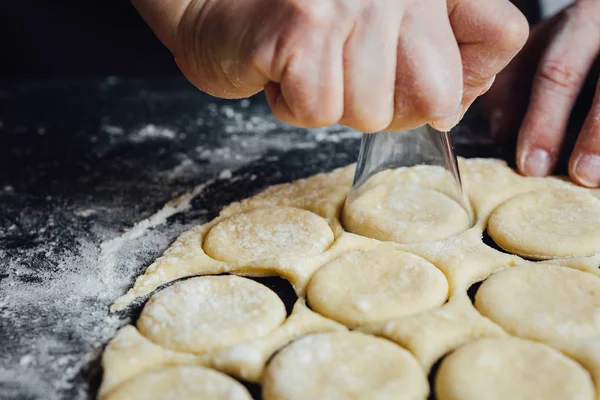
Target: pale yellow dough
[511,369]
[333,366]
[407,295]
[543,302]
[268,232]
[548,224]
[404,213]
[181,383]
[208,313]
[376,285]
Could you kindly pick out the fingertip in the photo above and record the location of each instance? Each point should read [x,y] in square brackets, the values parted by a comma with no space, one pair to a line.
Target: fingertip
[585,169]
[535,162]
[515,31]
[447,123]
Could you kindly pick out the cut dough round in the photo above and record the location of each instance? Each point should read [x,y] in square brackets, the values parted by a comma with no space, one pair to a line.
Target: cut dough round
[542,302]
[344,365]
[511,368]
[208,313]
[548,224]
[181,383]
[268,233]
[376,285]
[404,213]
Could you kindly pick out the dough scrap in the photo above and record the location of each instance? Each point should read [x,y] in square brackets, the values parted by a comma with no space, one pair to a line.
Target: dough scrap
[511,368]
[181,383]
[344,366]
[247,360]
[208,313]
[542,302]
[376,285]
[404,213]
[548,224]
[431,334]
[262,233]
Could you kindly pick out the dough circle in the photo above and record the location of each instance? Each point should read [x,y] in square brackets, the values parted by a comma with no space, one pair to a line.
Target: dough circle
[542,302]
[344,365]
[404,213]
[202,314]
[511,368]
[376,285]
[268,232]
[181,383]
[547,224]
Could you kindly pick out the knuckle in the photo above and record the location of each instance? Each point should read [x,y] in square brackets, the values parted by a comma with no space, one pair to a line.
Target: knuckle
[318,13]
[560,76]
[316,114]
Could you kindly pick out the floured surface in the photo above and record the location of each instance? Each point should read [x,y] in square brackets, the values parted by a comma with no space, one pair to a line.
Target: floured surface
[340,285]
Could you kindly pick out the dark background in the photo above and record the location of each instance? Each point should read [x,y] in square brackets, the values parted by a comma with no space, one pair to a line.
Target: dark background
[73,39]
[78,39]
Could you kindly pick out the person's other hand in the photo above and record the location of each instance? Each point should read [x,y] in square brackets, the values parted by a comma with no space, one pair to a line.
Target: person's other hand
[550,73]
[371,65]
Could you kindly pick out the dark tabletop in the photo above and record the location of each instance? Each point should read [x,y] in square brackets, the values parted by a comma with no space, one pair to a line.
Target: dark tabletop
[81,163]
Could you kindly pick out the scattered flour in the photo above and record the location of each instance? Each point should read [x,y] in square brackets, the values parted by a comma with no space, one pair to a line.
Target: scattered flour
[151,131]
[84,213]
[73,303]
[188,168]
[112,129]
[225,174]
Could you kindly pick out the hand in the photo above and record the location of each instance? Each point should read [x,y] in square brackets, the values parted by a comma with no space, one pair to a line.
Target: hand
[371,65]
[550,73]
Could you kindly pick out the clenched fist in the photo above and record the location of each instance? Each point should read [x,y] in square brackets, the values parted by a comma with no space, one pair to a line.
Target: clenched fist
[369,64]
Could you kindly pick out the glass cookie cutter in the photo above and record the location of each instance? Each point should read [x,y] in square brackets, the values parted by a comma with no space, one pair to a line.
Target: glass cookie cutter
[407,188]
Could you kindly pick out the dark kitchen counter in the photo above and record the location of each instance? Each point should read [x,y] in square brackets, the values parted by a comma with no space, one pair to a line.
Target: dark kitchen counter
[86,168]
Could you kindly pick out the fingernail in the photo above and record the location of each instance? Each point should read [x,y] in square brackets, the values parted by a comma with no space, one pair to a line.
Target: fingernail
[537,163]
[587,170]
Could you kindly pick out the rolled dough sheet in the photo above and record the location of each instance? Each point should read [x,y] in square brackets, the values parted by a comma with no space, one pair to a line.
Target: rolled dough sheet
[403,281]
